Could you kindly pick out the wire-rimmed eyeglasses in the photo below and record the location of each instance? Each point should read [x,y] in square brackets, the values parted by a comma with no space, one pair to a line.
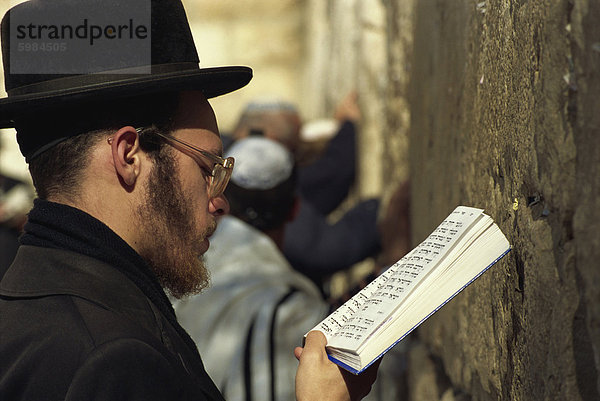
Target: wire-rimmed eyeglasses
[219,168]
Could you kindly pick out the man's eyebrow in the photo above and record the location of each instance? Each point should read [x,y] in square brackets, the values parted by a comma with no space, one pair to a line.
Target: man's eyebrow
[215,151]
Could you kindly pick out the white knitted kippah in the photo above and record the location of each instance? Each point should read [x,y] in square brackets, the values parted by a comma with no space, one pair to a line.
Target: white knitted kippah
[260,163]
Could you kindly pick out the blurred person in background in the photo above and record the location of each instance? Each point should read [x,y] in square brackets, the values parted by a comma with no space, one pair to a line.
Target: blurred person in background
[314,245]
[258,307]
[16,199]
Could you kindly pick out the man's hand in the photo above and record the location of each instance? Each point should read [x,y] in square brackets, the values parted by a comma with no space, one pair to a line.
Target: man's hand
[348,110]
[318,378]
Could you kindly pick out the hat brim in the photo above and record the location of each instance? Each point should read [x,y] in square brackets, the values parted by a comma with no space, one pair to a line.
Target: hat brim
[211,81]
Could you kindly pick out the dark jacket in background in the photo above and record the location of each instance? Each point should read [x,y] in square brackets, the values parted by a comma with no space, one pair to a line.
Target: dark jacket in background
[312,244]
[326,182]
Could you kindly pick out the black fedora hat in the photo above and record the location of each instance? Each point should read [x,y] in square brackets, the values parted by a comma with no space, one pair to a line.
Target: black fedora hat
[61,53]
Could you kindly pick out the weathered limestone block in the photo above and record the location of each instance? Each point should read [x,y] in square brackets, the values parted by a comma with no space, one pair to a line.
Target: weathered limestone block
[422,376]
[504,117]
[372,81]
[585,50]
[347,53]
[399,27]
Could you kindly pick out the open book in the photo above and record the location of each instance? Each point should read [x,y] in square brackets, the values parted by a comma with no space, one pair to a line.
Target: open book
[461,248]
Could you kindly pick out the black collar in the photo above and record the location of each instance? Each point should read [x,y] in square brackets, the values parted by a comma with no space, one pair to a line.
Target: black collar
[57,226]
[38,272]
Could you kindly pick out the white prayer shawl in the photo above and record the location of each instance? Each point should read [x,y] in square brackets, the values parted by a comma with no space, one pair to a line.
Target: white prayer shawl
[256,311]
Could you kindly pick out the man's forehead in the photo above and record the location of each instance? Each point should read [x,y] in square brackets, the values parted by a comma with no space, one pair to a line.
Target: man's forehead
[196,123]
[195,111]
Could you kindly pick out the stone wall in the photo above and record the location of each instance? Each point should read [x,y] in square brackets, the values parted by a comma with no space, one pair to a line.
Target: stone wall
[346,49]
[493,104]
[485,103]
[504,104]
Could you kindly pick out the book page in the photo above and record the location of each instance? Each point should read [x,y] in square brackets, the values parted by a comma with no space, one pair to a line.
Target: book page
[332,323]
[378,306]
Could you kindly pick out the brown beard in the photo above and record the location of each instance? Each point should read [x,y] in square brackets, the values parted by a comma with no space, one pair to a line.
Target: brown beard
[167,221]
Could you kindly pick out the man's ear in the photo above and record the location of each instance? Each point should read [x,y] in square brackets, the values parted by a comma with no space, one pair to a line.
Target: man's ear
[126,152]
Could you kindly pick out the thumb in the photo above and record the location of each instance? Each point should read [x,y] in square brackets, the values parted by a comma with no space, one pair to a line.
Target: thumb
[315,340]
[298,352]
[314,344]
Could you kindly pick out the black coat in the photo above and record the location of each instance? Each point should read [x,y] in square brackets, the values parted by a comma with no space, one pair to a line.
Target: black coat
[75,328]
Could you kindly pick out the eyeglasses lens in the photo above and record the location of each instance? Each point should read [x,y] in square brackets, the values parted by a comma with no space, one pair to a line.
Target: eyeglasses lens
[219,180]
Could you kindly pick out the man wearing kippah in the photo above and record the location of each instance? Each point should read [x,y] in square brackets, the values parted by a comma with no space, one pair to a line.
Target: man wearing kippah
[258,306]
[313,244]
[111,112]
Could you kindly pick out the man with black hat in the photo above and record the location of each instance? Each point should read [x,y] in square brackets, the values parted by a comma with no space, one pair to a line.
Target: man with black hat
[111,113]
